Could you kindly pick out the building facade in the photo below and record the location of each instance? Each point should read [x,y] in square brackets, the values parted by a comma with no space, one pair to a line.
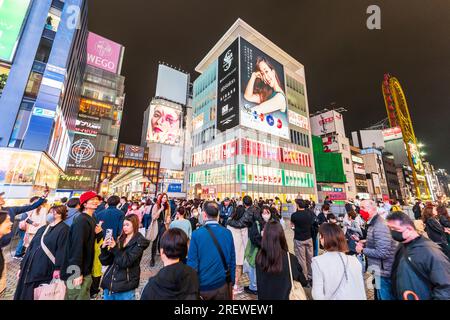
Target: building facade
[375,173]
[359,171]
[392,180]
[250,137]
[42,60]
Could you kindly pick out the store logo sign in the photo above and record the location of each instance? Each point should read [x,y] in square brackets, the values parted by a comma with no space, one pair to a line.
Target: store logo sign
[228,60]
[45,113]
[82,151]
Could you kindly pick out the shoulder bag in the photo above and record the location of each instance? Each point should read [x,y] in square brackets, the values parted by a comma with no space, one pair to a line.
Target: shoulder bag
[344,276]
[297,291]
[45,248]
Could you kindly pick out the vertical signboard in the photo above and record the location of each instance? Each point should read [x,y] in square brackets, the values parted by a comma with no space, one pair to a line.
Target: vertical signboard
[264,105]
[12,16]
[228,88]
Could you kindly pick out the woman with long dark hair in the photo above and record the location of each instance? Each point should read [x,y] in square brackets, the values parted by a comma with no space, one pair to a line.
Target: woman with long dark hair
[161,216]
[44,256]
[272,265]
[264,88]
[5,229]
[436,232]
[123,258]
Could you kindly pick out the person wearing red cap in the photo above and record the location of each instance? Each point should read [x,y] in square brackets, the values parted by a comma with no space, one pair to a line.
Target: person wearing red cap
[76,269]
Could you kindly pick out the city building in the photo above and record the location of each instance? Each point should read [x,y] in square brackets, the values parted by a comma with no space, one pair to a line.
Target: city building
[375,173]
[329,125]
[359,170]
[42,62]
[444,181]
[433,182]
[392,180]
[99,116]
[249,136]
[330,174]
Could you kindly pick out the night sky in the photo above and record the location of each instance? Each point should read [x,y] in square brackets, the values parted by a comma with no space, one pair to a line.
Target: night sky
[344,61]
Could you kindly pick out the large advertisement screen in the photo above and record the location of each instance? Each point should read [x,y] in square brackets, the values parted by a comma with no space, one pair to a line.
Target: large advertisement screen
[164,125]
[172,84]
[228,88]
[103,53]
[12,16]
[264,105]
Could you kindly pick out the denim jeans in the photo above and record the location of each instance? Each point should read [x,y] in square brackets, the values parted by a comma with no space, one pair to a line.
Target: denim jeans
[251,276]
[128,295]
[19,248]
[385,291]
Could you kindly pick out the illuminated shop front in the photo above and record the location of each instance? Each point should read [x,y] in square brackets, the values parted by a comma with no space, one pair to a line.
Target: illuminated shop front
[24,174]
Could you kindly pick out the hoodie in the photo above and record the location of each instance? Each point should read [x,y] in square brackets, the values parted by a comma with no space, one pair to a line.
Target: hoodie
[175,282]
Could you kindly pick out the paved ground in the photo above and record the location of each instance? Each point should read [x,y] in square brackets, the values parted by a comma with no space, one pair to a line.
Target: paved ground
[146,273]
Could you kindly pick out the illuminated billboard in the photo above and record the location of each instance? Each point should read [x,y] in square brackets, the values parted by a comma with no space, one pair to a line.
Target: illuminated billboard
[172,84]
[18,167]
[264,105]
[164,125]
[12,17]
[103,53]
[327,122]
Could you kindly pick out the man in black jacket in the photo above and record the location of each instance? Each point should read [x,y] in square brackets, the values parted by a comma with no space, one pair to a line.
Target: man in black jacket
[420,270]
[417,210]
[76,269]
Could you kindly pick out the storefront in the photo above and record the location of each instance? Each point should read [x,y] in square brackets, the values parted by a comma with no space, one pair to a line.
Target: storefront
[24,174]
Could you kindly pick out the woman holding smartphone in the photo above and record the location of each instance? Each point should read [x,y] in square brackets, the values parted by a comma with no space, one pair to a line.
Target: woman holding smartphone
[123,258]
[161,216]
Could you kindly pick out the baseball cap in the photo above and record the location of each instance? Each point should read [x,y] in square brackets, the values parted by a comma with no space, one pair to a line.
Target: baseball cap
[88,196]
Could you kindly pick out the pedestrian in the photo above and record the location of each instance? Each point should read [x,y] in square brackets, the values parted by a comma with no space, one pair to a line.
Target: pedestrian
[136,210]
[303,221]
[73,206]
[194,218]
[212,255]
[77,267]
[272,265]
[123,205]
[180,222]
[226,210]
[37,218]
[379,248]
[111,218]
[147,211]
[176,280]
[435,231]
[420,270]
[238,224]
[254,245]
[5,229]
[322,216]
[123,258]
[43,259]
[444,219]
[328,201]
[344,281]
[160,214]
[13,212]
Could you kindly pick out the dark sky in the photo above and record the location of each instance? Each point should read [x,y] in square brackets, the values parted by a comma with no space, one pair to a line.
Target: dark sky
[344,61]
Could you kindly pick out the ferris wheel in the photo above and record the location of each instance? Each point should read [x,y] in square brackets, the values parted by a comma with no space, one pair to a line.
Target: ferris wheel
[399,116]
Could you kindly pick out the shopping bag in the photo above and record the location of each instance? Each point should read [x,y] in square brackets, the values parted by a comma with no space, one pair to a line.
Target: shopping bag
[55,290]
[152,231]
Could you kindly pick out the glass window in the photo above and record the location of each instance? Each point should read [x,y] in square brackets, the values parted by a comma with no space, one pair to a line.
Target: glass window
[53,19]
[43,51]
[33,85]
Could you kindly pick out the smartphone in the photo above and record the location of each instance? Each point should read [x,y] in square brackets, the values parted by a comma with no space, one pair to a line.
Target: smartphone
[109,235]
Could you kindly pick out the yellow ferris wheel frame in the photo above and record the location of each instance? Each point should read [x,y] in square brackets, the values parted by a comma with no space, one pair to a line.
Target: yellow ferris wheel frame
[399,116]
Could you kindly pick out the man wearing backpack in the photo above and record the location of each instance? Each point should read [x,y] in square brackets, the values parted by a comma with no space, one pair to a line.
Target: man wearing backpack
[420,270]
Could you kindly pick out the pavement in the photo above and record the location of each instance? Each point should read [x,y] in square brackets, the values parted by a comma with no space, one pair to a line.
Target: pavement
[13,267]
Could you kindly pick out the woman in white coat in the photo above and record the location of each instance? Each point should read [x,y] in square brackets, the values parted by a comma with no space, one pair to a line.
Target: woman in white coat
[336,275]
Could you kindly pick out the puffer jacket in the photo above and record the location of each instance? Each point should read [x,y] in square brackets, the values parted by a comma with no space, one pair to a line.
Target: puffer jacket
[124,272]
[380,247]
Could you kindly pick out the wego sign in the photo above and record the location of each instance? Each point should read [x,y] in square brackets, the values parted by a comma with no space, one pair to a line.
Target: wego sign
[103,53]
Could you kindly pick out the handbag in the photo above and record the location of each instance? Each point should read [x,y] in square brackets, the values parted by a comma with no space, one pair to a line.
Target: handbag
[297,291]
[152,232]
[55,290]
[251,250]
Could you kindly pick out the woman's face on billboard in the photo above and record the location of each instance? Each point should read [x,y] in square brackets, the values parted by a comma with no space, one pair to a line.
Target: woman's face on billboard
[267,74]
[165,120]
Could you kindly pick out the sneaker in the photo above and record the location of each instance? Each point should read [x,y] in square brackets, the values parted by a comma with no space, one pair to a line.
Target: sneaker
[237,290]
[250,291]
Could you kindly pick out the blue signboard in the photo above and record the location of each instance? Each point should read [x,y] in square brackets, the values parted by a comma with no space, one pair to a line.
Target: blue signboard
[174,187]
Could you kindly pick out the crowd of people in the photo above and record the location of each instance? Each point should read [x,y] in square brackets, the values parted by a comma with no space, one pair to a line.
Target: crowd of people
[95,247]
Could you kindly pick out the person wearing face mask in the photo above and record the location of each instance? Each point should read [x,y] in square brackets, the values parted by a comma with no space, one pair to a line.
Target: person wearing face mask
[41,266]
[135,209]
[253,246]
[421,270]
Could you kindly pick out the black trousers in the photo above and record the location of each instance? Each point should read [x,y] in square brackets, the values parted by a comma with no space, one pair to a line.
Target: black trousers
[95,286]
[155,244]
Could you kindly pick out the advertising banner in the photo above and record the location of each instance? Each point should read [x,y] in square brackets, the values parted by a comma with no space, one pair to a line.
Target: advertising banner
[392,134]
[87,127]
[164,125]
[263,100]
[12,17]
[327,122]
[103,53]
[174,187]
[18,168]
[330,144]
[134,152]
[228,88]
[298,120]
